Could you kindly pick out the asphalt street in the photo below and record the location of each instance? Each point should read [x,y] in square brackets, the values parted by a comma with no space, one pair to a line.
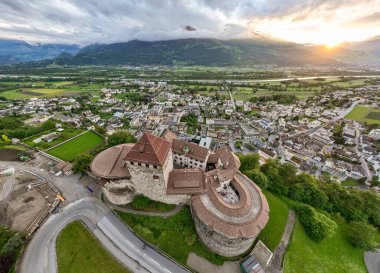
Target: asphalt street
[115,236]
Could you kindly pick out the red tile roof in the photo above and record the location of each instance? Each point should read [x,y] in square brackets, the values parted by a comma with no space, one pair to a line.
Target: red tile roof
[149,150]
[195,151]
[186,181]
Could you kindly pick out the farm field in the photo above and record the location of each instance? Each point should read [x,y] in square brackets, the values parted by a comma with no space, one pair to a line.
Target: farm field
[79,251]
[69,150]
[365,114]
[26,90]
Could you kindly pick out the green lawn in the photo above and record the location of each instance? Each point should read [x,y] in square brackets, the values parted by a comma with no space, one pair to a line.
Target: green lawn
[174,235]
[332,255]
[278,217]
[350,182]
[78,251]
[64,135]
[77,146]
[359,113]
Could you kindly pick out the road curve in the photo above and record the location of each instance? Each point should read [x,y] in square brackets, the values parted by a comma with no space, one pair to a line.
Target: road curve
[115,236]
[372,261]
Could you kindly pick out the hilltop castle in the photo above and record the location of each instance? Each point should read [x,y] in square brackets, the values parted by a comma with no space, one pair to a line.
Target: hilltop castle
[229,210]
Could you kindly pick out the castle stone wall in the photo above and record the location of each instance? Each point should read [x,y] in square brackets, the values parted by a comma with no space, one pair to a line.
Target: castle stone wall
[219,243]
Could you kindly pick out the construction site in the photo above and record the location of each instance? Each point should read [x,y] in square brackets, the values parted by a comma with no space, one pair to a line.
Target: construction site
[26,199]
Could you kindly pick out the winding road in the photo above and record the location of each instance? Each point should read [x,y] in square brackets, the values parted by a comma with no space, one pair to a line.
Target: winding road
[114,235]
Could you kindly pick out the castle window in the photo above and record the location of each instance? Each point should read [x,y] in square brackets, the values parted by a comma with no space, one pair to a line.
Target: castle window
[139,164]
[155,177]
[155,167]
[146,165]
[132,163]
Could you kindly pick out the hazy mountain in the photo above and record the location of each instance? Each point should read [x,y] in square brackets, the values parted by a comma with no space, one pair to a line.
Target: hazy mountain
[208,52]
[12,51]
[370,46]
[348,55]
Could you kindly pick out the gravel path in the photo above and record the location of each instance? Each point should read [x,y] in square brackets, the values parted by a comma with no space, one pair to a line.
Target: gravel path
[279,253]
[372,261]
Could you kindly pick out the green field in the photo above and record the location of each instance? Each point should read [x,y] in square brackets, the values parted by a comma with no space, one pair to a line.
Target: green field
[79,251]
[69,150]
[26,90]
[174,235]
[332,255]
[365,114]
[278,217]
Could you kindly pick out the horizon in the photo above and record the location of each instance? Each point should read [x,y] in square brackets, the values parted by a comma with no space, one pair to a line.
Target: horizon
[318,22]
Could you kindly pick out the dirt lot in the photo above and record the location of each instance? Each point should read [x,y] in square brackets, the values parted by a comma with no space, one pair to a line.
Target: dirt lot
[8,154]
[28,204]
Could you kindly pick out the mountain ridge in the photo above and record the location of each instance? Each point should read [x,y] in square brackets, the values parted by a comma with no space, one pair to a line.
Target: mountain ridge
[14,51]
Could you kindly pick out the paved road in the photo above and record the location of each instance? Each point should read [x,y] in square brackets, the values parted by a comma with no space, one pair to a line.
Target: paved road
[372,261]
[115,236]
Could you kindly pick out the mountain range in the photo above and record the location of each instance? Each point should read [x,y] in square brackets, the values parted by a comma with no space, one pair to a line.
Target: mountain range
[206,52]
[14,51]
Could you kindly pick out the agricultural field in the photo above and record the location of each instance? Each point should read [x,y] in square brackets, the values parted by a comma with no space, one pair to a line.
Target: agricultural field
[365,114]
[70,150]
[28,89]
[79,251]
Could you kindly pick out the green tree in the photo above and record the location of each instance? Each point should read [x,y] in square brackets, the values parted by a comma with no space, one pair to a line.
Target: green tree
[317,226]
[120,137]
[258,177]
[249,162]
[82,163]
[100,130]
[362,235]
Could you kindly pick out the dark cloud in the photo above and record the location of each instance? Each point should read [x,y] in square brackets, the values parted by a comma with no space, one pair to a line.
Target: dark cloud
[88,21]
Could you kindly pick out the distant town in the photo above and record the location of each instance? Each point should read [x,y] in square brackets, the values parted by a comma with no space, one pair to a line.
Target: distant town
[231,171]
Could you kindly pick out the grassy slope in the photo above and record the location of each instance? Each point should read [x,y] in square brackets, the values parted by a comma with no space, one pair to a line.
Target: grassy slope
[278,217]
[168,235]
[143,203]
[79,251]
[333,255]
[77,146]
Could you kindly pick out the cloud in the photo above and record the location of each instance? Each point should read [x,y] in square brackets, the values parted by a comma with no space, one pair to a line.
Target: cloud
[90,21]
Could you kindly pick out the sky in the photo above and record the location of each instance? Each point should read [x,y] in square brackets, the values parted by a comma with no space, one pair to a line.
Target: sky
[105,21]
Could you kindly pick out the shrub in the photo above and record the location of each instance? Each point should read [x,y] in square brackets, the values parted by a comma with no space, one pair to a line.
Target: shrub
[317,225]
[362,235]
